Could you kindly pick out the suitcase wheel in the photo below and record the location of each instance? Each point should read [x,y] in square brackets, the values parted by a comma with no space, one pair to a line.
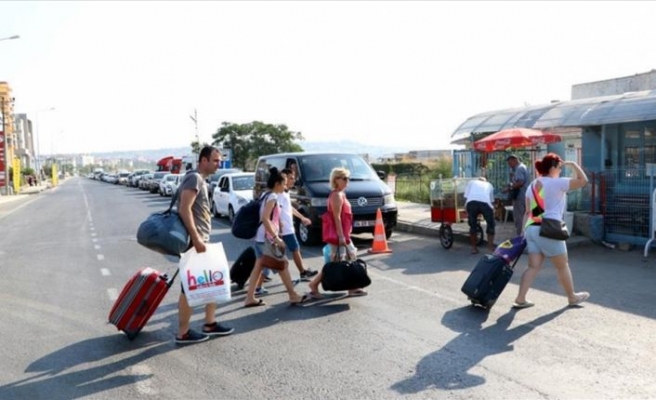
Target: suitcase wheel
[131,335]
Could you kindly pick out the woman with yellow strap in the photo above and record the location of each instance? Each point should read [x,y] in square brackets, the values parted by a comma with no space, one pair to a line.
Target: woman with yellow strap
[546,197]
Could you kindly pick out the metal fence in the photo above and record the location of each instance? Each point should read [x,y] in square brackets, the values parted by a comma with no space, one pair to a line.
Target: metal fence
[624,201]
[621,195]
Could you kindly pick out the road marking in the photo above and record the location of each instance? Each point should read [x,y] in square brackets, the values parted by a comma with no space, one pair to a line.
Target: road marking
[93,234]
[97,247]
[104,272]
[94,240]
[92,228]
[410,287]
[144,386]
[5,214]
[112,293]
[100,257]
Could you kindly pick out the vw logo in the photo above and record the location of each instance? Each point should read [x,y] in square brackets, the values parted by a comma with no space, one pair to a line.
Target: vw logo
[362,201]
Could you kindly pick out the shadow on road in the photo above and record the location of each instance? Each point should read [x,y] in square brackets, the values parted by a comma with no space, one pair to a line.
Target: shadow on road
[86,381]
[448,368]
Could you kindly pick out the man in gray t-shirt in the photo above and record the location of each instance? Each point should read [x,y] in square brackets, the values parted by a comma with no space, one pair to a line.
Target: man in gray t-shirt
[194,209]
[519,180]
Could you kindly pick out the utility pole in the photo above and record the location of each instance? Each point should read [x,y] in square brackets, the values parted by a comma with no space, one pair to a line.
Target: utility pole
[195,119]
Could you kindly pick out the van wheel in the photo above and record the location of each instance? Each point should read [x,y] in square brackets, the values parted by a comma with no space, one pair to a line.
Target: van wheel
[214,210]
[307,236]
[388,233]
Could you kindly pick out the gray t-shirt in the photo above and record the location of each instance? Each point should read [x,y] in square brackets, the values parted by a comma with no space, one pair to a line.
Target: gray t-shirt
[201,207]
[521,174]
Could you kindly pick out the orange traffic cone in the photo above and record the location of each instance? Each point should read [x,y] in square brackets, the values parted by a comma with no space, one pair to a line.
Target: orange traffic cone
[380,241]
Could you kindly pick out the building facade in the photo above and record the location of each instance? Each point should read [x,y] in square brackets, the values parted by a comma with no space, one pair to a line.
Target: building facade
[609,126]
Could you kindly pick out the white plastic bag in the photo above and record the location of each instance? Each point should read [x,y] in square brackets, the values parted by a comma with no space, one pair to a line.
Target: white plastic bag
[205,276]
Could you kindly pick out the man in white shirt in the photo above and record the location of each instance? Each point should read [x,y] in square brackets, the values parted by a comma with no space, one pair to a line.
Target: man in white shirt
[480,200]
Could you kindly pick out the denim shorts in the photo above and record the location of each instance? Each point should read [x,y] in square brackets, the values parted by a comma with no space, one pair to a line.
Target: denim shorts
[291,243]
[538,244]
[259,252]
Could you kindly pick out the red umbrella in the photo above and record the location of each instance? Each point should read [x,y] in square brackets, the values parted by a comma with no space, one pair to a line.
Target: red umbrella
[515,137]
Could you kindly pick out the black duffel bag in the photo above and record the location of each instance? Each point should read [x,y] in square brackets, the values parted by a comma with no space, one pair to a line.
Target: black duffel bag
[345,275]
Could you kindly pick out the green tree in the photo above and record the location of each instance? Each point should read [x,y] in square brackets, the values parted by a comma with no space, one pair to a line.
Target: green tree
[196,146]
[251,140]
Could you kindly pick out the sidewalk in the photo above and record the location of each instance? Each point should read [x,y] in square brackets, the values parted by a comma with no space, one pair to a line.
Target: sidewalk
[416,218]
[25,191]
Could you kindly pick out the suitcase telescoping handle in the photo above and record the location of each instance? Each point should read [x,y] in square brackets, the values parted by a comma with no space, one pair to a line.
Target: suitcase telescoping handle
[170,281]
[514,262]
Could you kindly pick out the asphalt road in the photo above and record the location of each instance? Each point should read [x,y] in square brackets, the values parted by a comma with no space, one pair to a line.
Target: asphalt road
[66,253]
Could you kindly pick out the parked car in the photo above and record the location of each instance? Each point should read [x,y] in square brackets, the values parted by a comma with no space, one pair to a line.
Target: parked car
[213,179]
[137,175]
[144,181]
[153,186]
[172,183]
[231,193]
[366,191]
[162,183]
[123,178]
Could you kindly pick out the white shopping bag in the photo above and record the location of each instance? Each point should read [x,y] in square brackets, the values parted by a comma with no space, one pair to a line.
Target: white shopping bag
[205,276]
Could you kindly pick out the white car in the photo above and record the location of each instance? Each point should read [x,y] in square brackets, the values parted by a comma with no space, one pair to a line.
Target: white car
[231,193]
[171,183]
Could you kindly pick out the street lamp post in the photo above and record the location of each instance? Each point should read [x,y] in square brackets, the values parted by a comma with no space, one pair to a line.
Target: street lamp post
[4,131]
[38,148]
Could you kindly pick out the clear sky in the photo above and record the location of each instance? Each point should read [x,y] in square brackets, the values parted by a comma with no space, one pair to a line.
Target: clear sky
[128,75]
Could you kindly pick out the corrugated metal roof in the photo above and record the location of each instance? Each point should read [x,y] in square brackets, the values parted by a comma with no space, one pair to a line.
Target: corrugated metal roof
[627,107]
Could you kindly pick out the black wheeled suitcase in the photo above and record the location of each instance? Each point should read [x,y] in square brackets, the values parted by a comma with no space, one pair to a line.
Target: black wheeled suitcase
[492,273]
[242,268]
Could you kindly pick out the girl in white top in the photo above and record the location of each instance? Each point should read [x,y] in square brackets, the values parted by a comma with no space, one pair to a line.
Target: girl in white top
[550,191]
[269,231]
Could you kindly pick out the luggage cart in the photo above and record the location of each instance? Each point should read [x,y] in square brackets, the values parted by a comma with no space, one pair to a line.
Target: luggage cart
[447,197]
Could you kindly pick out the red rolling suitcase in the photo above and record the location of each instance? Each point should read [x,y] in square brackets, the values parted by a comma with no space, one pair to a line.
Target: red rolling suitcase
[139,300]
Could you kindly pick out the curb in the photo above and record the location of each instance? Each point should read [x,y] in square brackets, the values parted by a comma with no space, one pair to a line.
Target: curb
[404,226]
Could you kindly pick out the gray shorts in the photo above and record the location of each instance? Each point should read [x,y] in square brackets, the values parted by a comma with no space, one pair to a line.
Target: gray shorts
[538,244]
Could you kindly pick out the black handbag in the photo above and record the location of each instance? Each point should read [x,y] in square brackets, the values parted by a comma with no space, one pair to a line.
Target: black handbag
[549,227]
[553,229]
[345,275]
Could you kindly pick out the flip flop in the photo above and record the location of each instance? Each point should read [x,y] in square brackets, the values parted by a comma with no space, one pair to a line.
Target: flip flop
[305,299]
[358,293]
[525,304]
[315,296]
[259,303]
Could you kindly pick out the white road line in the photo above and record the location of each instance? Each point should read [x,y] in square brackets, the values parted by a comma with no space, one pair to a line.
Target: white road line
[100,257]
[97,247]
[93,234]
[94,240]
[19,207]
[144,386]
[92,228]
[112,294]
[104,272]
[410,287]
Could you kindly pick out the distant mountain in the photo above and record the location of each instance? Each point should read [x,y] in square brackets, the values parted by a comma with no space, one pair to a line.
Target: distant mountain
[343,146]
[353,147]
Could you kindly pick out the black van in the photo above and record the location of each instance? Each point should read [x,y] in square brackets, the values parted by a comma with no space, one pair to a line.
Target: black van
[366,191]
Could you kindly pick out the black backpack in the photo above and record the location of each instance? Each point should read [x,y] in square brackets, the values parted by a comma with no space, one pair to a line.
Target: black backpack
[247,220]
